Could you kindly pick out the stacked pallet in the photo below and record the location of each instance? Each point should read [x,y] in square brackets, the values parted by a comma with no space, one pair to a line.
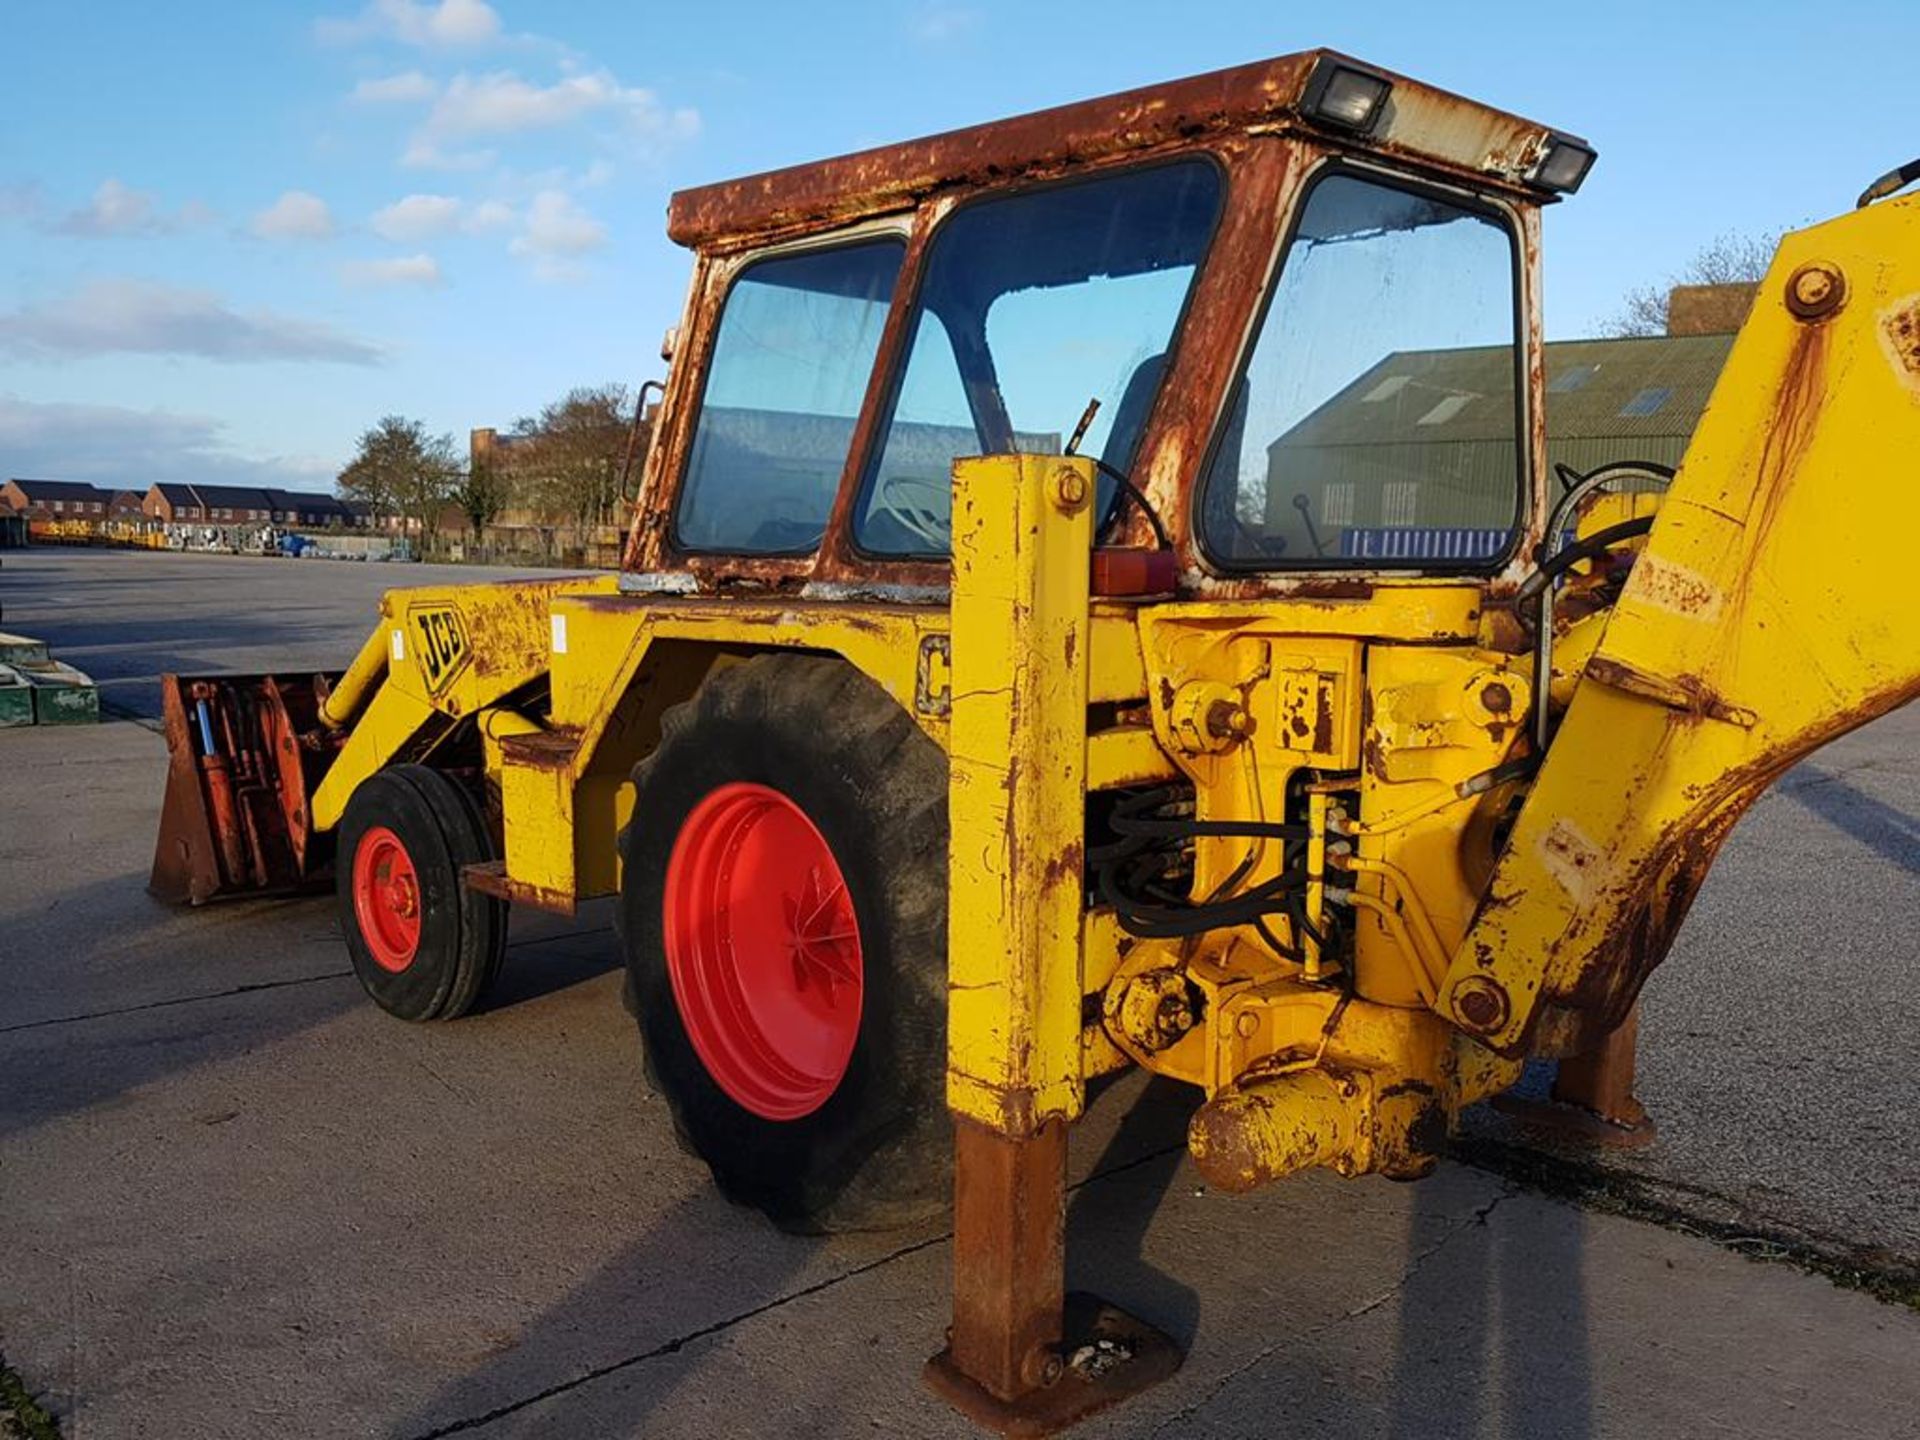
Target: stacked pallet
[36,689]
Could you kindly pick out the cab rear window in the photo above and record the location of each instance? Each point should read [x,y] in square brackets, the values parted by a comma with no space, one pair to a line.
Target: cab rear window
[790,366]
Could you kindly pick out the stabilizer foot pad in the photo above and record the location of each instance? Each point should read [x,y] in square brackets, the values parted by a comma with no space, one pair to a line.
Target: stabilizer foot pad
[1109,1355]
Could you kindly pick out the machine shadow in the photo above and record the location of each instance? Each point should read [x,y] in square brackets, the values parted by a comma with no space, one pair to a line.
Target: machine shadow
[544,1385]
[1483,1346]
[1891,833]
[1112,1209]
[570,1372]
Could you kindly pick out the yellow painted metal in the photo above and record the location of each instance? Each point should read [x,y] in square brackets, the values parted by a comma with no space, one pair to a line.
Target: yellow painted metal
[1435,717]
[1770,610]
[449,651]
[346,697]
[1017,751]
[1766,613]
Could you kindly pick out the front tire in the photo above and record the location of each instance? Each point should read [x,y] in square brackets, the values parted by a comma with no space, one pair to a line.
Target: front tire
[784,912]
[424,946]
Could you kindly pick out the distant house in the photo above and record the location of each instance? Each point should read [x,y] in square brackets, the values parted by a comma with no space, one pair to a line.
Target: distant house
[177,504]
[1419,450]
[126,505]
[174,505]
[57,499]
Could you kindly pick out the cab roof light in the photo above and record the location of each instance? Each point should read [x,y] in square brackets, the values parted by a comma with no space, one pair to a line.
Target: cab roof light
[1346,96]
[1563,164]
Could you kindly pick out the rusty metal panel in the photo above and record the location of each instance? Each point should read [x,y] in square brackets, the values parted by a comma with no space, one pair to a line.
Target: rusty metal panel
[1424,123]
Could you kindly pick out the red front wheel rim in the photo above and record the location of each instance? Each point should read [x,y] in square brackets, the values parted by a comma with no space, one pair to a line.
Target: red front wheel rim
[763,950]
[386,899]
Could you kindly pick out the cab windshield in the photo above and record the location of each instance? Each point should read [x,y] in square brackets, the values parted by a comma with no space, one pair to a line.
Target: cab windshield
[1375,420]
[1032,305]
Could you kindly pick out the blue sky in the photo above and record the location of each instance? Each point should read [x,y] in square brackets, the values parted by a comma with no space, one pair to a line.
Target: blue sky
[234,235]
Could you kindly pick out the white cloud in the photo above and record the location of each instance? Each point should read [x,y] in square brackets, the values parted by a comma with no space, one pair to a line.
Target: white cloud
[131,449]
[555,225]
[118,209]
[504,103]
[424,154]
[146,318]
[406,88]
[489,215]
[296,215]
[416,217]
[939,24]
[449,24]
[399,270]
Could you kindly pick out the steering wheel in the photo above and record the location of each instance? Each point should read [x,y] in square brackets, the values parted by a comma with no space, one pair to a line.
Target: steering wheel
[923,508]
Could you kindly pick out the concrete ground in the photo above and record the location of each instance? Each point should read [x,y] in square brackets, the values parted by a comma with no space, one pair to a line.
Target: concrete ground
[235,1200]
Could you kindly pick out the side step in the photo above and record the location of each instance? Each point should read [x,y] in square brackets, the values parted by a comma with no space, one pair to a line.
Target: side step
[492,879]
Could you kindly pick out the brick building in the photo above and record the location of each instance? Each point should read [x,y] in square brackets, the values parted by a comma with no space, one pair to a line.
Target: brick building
[57,499]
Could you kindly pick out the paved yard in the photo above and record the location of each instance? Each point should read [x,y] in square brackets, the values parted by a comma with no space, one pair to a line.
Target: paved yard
[235,1200]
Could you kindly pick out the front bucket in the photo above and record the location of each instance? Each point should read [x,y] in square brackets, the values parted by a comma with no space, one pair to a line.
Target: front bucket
[243,754]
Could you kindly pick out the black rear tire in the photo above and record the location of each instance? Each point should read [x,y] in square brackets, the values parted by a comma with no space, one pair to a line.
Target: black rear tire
[462,933]
[878,1151]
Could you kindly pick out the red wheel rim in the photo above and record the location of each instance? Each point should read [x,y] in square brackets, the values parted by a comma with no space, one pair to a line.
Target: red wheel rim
[386,899]
[763,950]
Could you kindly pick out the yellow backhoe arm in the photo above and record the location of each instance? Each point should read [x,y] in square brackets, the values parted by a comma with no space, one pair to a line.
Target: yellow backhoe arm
[1770,611]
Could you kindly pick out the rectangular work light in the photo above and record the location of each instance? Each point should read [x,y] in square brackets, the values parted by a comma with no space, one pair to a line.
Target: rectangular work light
[1345,95]
[1563,164]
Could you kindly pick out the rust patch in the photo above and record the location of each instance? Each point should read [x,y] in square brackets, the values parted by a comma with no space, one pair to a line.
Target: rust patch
[1688,694]
[1323,718]
[1797,408]
[1334,588]
[1070,865]
[1570,857]
[1373,756]
[1900,335]
[1659,582]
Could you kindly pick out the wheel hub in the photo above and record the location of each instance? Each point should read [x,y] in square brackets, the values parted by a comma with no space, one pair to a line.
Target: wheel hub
[763,950]
[386,899]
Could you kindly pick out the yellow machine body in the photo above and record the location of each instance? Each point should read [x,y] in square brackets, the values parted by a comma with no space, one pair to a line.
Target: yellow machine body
[1764,615]
[1491,900]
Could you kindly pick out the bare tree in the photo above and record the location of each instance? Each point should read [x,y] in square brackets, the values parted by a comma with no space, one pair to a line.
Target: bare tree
[482,493]
[1729,260]
[400,470]
[569,470]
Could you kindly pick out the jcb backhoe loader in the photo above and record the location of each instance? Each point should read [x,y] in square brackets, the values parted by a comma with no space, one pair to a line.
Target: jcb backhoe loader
[1098,598]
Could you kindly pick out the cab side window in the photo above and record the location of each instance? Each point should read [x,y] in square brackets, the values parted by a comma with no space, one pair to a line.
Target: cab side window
[789,370]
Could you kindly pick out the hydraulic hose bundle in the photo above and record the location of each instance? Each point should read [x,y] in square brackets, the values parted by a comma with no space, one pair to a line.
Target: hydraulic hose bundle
[1141,874]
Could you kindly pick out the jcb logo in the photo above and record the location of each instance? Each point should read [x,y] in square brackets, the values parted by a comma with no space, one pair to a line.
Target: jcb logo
[440,644]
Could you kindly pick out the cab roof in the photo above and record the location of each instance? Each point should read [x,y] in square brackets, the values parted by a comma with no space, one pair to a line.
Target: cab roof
[1428,125]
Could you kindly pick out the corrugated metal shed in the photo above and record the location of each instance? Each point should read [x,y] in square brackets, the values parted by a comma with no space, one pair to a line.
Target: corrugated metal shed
[1427,438]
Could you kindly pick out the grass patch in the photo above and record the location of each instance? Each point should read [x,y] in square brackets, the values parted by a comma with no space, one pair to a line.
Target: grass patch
[21,1416]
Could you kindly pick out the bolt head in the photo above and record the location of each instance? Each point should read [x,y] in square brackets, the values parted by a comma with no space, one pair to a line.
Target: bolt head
[1069,488]
[1481,1003]
[1816,290]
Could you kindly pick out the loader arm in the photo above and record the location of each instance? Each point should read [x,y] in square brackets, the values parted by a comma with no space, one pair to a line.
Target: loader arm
[1770,612]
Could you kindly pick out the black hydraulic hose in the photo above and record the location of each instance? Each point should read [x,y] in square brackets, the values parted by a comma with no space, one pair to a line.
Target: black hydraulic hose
[1138,496]
[1888,184]
[1595,544]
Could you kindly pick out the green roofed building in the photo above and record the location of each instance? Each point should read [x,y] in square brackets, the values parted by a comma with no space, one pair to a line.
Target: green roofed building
[1421,447]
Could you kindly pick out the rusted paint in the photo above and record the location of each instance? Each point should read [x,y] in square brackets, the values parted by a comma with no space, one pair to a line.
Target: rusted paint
[1442,130]
[235,817]
[1900,337]
[1243,118]
[550,750]
[1660,582]
[1687,693]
